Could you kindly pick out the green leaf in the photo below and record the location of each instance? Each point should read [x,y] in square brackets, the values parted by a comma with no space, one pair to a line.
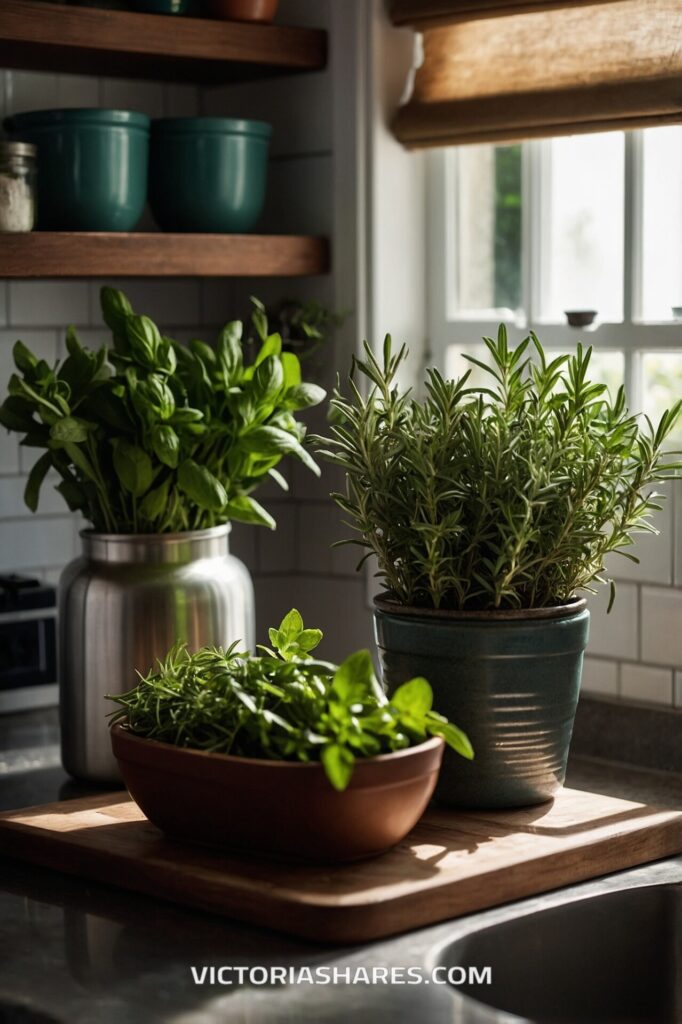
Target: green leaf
[268,441]
[303,396]
[414,698]
[155,501]
[115,309]
[144,340]
[35,480]
[201,486]
[309,639]
[133,467]
[271,347]
[244,509]
[354,680]
[338,764]
[269,377]
[455,738]
[291,625]
[291,365]
[24,359]
[230,353]
[69,429]
[166,444]
[73,494]
[16,413]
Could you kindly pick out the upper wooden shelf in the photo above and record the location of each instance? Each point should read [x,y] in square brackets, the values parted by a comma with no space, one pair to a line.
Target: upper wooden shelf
[87,40]
[105,254]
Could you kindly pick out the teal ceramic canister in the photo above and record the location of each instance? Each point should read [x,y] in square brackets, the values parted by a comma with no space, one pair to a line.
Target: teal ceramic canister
[208,174]
[509,679]
[92,166]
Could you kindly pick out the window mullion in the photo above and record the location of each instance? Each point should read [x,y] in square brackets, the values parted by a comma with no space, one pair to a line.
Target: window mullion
[537,228]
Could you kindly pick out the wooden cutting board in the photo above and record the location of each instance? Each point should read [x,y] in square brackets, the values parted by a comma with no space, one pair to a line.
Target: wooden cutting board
[452,863]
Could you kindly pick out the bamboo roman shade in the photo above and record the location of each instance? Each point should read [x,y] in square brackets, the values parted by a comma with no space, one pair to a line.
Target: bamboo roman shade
[505,70]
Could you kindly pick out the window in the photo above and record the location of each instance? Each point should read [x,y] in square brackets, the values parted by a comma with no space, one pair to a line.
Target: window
[592,223]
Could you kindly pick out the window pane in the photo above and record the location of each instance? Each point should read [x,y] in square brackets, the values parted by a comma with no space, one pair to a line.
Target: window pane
[662,224]
[582,230]
[662,386]
[488,228]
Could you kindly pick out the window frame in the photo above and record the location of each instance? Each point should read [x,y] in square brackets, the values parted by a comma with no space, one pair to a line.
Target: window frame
[632,336]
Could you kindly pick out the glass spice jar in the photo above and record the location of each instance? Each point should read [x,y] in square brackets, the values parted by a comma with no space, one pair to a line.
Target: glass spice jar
[17,186]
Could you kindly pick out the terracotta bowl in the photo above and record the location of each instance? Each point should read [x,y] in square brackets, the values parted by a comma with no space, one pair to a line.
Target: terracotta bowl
[242,10]
[278,808]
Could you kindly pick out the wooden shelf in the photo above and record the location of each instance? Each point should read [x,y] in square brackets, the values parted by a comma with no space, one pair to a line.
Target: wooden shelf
[87,40]
[106,254]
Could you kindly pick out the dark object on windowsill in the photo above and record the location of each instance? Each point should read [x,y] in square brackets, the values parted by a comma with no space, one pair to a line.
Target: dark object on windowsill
[677,312]
[580,317]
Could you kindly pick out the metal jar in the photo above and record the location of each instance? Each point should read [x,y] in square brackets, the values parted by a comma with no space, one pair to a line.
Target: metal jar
[122,605]
[509,679]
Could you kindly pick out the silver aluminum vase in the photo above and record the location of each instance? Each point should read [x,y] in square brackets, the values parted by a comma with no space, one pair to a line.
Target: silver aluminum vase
[122,605]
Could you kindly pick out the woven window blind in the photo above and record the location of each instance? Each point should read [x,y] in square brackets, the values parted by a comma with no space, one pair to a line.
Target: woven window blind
[504,71]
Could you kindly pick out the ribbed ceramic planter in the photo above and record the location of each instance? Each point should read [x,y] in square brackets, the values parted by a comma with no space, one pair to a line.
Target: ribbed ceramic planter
[122,605]
[509,679]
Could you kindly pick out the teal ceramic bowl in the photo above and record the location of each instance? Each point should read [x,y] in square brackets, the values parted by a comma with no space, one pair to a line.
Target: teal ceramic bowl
[92,166]
[208,174]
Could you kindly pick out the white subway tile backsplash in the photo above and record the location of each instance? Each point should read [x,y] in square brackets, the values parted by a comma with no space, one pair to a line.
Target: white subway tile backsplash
[30,90]
[34,542]
[12,503]
[600,676]
[662,626]
[299,198]
[181,100]
[281,107]
[77,91]
[171,303]
[123,94]
[641,682]
[614,635]
[9,453]
[45,303]
[277,549]
[655,553]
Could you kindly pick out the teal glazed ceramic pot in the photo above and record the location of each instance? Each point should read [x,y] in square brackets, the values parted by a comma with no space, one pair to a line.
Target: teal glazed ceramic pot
[509,679]
[92,167]
[208,174]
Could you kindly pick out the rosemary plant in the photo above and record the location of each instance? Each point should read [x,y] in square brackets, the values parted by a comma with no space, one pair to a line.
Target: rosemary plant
[507,496]
[282,705]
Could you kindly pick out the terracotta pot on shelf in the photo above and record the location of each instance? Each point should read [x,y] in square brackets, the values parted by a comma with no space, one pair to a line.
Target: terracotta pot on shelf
[242,10]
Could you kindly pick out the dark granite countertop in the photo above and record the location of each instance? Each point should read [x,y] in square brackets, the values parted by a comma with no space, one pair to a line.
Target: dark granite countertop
[75,951]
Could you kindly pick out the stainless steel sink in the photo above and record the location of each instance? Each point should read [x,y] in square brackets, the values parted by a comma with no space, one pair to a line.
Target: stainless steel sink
[614,958]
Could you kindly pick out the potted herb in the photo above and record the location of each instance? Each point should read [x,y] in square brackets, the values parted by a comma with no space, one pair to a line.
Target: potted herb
[490,510]
[160,447]
[280,753]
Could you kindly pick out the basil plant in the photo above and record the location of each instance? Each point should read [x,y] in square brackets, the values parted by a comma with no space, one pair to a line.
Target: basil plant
[151,436]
